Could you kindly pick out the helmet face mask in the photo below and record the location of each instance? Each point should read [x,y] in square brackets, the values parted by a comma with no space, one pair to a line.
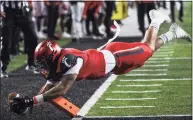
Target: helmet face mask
[44,63]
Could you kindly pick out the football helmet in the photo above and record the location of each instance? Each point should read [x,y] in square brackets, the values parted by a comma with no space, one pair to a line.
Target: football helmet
[45,54]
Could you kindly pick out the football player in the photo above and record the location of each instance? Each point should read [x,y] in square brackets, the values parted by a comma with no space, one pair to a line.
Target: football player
[63,66]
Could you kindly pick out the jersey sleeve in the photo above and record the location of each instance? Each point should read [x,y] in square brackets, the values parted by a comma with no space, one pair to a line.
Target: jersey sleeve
[76,68]
[67,62]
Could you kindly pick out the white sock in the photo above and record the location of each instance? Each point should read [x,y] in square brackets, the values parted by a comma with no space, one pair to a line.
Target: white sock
[155,23]
[168,36]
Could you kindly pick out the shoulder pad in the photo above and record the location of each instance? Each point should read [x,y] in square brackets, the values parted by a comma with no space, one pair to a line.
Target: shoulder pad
[68,61]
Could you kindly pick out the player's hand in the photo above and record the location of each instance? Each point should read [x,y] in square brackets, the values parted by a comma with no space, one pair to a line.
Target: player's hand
[20,105]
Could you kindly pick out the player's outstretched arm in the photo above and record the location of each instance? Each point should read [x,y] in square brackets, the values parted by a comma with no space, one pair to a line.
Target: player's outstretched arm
[61,88]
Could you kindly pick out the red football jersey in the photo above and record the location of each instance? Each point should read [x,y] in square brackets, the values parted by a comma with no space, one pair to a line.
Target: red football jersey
[93,63]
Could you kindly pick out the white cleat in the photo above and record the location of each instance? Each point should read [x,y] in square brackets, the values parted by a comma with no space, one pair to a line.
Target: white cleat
[159,16]
[42,35]
[66,35]
[3,74]
[32,69]
[179,32]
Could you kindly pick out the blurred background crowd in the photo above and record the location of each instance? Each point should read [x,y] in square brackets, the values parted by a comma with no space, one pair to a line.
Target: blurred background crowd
[32,21]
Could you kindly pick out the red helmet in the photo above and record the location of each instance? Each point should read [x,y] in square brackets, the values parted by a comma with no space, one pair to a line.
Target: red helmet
[45,54]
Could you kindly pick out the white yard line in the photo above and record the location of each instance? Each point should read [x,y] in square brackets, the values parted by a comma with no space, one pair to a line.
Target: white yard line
[163,52]
[145,91]
[162,74]
[141,85]
[150,70]
[128,99]
[98,93]
[128,117]
[166,49]
[116,107]
[152,61]
[158,65]
[174,45]
[161,79]
[171,58]
[166,55]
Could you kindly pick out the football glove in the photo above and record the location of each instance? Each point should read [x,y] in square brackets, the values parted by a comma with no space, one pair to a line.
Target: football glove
[21,105]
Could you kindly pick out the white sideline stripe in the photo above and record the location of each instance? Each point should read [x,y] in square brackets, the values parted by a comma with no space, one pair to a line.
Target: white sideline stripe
[148,70]
[171,58]
[135,116]
[123,99]
[152,61]
[159,65]
[161,79]
[115,107]
[146,91]
[98,93]
[141,85]
[145,74]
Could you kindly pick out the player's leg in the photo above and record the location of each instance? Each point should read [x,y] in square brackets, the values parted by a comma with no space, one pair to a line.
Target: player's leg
[174,33]
[157,18]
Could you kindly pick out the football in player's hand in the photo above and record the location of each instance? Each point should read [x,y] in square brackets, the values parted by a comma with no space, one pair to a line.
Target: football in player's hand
[11,96]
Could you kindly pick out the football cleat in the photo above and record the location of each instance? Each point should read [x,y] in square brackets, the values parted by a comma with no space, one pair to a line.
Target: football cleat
[159,16]
[3,74]
[32,69]
[179,32]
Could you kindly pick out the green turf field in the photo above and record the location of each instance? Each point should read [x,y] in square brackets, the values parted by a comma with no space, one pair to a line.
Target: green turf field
[163,86]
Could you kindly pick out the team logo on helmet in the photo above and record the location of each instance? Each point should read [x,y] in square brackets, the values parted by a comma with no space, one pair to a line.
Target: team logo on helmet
[49,44]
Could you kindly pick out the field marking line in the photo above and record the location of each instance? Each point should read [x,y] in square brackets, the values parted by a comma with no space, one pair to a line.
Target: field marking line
[149,70]
[161,79]
[141,85]
[125,99]
[158,65]
[165,49]
[164,52]
[166,55]
[145,91]
[174,45]
[98,93]
[187,115]
[162,74]
[116,107]
[171,58]
[152,61]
